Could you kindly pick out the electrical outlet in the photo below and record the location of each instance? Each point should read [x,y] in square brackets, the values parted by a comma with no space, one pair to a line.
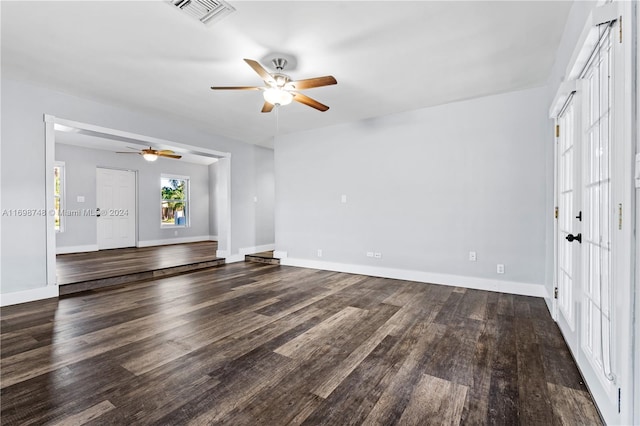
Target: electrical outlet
[319,252]
[500,268]
[369,254]
[175,233]
[377,255]
[343,198]
[472,256]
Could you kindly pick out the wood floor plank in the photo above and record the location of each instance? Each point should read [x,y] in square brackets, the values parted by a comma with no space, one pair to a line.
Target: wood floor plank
[503,394]
[434,401]
[344,368]
[304,344]
[572,406]
[477,404]
[416,343]
[534,401]
[352,401]
[259,344]
[87,415]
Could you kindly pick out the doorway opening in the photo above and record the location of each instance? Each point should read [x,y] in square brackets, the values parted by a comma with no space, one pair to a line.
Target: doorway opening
[219,192]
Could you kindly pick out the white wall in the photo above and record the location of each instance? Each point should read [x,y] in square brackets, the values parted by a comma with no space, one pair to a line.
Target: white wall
[80,180]
[423,188]
[23,263]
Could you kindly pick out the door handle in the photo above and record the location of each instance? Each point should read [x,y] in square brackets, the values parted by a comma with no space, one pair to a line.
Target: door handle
[572,237]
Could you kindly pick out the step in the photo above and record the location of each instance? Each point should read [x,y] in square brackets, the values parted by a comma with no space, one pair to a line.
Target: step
[262,257]
[78,287]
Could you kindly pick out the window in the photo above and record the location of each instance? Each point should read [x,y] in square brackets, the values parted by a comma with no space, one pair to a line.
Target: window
[58,195]
[175,201]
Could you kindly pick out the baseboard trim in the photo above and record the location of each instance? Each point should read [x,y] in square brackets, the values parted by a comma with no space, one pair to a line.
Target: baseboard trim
[512,287]
[234,258]
[181,240]
[256,249]
[76,249]
[25,296]
[279,254]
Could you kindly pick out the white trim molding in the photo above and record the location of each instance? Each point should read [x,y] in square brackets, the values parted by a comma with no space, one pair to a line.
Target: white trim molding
[279,254]
[76,249]
[256,249]
[511,287]
[234,258]
[239,257]
[181,240]
[47,292]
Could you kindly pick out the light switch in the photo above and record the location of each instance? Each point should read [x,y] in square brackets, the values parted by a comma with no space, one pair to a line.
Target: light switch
[343,198]
[80,198]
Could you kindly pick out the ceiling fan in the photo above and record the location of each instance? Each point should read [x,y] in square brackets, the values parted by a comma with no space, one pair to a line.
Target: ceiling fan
[151,154]
[279,89]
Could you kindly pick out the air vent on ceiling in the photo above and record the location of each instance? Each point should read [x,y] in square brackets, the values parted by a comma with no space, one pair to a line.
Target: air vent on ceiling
[206,11]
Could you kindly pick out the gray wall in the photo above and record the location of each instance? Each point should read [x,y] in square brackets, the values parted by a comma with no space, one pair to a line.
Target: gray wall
[80,179]
[423,188]
[22,178]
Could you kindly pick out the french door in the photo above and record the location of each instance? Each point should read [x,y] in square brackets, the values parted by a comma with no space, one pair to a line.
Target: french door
[569,230]
[593,289]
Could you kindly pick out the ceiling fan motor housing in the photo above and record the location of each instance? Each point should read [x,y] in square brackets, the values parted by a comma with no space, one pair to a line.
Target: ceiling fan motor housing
[279,63]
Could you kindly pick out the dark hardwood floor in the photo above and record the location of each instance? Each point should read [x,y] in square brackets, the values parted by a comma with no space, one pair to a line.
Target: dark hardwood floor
[258,344]
[78,272]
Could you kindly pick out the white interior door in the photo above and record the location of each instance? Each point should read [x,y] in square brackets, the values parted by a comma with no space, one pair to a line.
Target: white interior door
[593,176]
[569,220]
[116,208]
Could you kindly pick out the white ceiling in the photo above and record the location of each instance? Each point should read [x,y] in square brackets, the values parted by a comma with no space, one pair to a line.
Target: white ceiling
[388,56]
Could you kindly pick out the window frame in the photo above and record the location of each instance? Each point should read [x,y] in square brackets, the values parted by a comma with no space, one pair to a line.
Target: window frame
[61,196]
[186,201]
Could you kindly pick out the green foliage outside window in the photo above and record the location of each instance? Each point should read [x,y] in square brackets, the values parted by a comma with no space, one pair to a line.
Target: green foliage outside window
[57,188]
[174,201]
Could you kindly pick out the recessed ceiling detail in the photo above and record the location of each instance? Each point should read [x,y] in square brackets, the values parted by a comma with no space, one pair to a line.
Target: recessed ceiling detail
[206,11]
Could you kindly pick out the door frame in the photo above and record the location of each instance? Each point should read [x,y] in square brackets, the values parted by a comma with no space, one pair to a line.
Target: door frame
[623,266]
[53,124]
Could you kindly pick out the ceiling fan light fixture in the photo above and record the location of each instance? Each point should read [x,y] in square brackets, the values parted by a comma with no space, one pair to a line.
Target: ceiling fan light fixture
[276,96]
[149,156]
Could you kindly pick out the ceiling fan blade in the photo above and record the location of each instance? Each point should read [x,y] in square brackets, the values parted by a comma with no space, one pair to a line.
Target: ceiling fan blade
[267,107]
[165,151]
[127,152]
[235,88]
[159,154]
[304,99]
[310,83]
[264,74]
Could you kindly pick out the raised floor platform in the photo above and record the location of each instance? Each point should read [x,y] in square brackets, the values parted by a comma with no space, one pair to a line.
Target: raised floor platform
[78,272]
[262,257]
